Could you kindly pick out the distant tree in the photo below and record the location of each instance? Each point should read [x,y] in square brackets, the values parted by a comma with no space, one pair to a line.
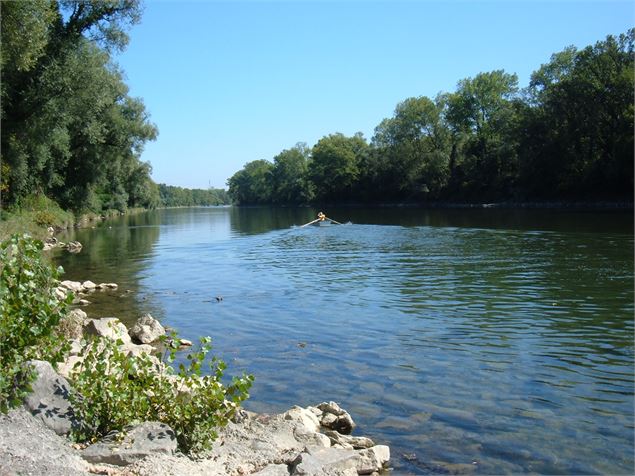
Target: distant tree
[334,166]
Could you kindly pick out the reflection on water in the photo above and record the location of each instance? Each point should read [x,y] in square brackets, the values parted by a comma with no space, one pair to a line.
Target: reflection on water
[486,341]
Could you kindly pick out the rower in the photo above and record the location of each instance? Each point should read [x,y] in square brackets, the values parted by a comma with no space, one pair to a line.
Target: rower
[321,216]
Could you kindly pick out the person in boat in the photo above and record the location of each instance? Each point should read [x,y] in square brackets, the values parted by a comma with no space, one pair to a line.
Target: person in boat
[321,216]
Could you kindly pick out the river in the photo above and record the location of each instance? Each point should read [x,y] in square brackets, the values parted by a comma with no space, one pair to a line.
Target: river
[470,341]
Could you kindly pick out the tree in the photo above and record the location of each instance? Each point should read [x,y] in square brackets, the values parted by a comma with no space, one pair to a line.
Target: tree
[483,114]
[334,165]
[253,184]
[578,135]
[289,175]
[69,128]
[413,150]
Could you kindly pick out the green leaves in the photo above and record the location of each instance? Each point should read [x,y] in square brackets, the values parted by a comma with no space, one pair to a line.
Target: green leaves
[113,390]
[29,314]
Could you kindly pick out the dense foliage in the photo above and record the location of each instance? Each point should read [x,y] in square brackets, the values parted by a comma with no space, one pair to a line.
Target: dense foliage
[70,129]
[567,136]
[113,390]
[29,313]
[171,196]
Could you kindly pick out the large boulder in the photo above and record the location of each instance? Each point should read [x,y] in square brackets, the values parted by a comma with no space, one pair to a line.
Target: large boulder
[108,327]
[146,330]
[49,400]
[146,439]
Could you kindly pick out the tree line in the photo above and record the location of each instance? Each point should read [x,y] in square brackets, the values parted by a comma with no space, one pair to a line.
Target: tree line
[172,196]
[567,136]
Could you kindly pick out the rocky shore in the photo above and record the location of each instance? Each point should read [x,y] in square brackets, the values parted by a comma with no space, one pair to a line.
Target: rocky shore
[316,440]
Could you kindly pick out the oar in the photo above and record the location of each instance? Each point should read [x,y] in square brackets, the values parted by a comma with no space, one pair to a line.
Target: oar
[310,223]
[336,222]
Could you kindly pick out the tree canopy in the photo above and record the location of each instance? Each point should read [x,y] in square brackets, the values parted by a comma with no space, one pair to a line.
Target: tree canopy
[70,129]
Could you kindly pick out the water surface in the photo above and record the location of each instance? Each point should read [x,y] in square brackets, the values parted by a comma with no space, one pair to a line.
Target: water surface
[470,341]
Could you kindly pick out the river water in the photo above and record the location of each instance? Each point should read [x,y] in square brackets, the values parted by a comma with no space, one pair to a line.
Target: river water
[470,341]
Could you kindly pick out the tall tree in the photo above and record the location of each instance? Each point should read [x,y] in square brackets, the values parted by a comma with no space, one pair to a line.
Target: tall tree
[413,148]
[289,175]
[578,140]
[334,166]
[484,113]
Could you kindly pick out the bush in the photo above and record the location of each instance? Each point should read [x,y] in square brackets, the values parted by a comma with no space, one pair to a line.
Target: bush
[29,313]
[113,390]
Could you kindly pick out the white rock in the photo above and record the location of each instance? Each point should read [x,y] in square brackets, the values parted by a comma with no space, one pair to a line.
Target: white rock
[331,407]
[109,327]
[88,285]
[303,416]
[74,286]
[60,293]
[147,329]
[65,369]
[373,459]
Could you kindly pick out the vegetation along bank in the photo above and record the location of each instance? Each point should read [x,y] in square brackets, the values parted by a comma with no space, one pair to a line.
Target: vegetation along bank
[567,137]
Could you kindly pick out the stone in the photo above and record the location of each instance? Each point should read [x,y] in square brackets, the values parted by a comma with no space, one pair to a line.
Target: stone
[76,347]
[373,459]
[325,461]
[331,407]
[137,350]
[273,470]
[341,421]
[311,438]
[148,438]
[88,286]
[60,293]
[74,286]
[303,416]
[74,246]
[49,400]
[83,302]
[347,441]
[147,329]
[186,343]
[78,314]
[109,327]
[66,368]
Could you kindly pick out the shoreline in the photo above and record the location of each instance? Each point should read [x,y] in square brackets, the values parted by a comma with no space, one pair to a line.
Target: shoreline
[309,440]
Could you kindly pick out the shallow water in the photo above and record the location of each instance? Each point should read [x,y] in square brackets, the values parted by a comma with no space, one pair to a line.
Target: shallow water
[470,341]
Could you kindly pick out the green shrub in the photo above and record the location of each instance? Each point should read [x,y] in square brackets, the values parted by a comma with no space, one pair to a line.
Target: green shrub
[113,390]
[29,314]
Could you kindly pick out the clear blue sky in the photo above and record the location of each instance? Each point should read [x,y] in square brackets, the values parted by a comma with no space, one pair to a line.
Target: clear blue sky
[231,82]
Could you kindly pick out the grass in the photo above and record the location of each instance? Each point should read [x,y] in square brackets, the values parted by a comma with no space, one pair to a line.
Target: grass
[34,215]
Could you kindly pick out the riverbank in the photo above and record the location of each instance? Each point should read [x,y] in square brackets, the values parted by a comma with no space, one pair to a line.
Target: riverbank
[505,205]
[315,440]
[38,215]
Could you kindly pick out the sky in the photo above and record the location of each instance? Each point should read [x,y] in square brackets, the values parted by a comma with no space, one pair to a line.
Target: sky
[231,82]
